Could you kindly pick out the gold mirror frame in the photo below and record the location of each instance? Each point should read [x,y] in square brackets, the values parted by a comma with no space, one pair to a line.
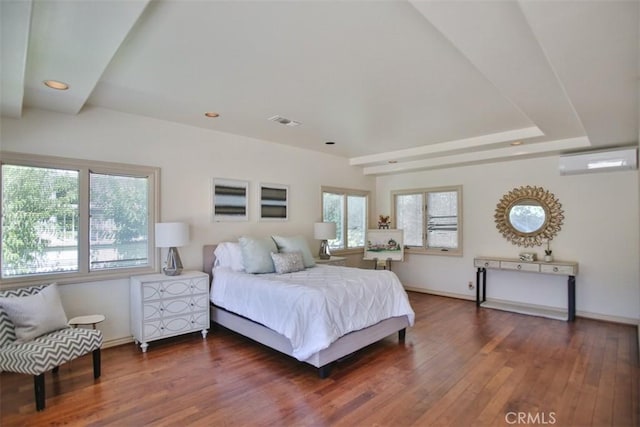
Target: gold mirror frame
[554,216]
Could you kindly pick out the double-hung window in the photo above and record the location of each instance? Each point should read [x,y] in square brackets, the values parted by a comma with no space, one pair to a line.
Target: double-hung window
[68,219]
[431,219]
[349,210]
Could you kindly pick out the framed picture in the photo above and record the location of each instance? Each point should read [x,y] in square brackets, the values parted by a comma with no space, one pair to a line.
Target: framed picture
[230,200]
[274,202]
[384,244]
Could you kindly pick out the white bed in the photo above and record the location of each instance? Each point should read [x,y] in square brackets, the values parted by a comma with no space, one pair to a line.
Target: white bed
[327,352]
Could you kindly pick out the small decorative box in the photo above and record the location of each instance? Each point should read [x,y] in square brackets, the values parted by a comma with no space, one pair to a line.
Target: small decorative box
[528,256]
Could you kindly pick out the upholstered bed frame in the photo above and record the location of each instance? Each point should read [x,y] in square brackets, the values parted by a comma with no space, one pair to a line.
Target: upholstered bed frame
[322,359]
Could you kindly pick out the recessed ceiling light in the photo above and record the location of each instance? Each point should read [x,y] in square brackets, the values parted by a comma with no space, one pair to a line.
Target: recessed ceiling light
[516,143]
[212,114]
[55,84]
[330,143]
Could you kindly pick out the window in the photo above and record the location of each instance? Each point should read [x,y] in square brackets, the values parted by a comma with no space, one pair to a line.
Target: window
[349,210]
[431,219]
[118,221]
[75,219]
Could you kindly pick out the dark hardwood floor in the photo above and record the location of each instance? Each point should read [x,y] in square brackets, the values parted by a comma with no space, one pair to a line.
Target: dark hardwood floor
[459,366]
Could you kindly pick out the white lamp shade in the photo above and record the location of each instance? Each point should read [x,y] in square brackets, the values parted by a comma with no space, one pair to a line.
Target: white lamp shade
[171,234]
[324,230]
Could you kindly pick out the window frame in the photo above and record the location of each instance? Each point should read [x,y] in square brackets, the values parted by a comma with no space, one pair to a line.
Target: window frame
[84,168]
[425,191]
[347,192]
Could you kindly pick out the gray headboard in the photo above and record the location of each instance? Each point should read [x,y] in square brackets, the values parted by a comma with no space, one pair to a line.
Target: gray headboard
[208,258]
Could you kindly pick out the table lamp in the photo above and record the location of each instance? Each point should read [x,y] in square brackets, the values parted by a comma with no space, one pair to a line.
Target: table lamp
[171,235]
[324,231]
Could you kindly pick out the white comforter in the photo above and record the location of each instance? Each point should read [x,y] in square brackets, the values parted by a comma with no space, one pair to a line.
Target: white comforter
[314,307]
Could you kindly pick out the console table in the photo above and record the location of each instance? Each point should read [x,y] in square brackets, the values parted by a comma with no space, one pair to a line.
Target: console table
[569,269]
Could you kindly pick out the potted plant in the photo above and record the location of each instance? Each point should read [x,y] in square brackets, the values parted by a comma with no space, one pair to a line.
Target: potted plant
[548,257]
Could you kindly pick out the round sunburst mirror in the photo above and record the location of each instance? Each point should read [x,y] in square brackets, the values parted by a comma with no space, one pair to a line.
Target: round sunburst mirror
[529,216]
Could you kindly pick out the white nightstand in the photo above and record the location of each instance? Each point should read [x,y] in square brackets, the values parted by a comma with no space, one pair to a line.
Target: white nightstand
[334,260]
[164,306]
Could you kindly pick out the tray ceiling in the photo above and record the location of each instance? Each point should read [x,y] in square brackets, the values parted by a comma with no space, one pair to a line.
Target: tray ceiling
[397,85]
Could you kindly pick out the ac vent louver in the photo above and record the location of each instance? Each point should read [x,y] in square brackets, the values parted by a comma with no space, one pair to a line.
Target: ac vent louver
[284,121]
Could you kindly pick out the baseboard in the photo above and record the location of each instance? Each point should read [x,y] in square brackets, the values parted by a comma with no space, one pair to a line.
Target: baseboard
[440,293]
[117,341]
[579,313]
[607,318]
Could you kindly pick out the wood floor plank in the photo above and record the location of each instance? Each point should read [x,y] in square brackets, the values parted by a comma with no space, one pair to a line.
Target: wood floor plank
[458,366]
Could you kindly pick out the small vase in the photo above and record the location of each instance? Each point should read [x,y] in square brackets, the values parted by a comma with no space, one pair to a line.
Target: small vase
[548,258]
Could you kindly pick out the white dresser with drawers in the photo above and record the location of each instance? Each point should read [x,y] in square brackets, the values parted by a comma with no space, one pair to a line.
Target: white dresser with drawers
[165,306]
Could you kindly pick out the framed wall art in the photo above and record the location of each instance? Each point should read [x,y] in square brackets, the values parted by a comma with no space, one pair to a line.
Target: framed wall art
[384,244]
[230,200]
[274,202]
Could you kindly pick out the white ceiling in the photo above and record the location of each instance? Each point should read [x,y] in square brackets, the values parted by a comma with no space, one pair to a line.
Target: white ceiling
[397,85]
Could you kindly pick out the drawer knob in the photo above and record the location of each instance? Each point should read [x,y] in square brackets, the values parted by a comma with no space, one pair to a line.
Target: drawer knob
[555,269]
[519,267]
[486,264]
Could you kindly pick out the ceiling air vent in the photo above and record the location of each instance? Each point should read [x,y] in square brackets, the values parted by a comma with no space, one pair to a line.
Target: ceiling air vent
[284,121]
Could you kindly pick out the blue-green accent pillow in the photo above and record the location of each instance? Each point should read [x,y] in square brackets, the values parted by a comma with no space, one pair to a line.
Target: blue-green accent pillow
[256,254]
[295,244]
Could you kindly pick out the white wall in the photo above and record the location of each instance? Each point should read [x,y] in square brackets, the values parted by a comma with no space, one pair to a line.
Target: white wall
[189,158]
[600,231]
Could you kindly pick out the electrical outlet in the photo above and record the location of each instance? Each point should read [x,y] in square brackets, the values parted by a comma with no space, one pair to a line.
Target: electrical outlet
[471,287]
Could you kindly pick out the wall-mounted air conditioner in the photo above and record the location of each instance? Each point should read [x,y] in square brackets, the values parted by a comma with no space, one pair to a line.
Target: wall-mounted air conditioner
[599,161]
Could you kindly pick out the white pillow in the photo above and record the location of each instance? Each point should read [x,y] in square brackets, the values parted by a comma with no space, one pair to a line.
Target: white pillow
[229,254]
[287,263]
[295,244]
[256,254]
[35,315]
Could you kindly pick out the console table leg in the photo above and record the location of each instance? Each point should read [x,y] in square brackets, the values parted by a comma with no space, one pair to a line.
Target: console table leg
[484,284]
[571,287]
[478,287]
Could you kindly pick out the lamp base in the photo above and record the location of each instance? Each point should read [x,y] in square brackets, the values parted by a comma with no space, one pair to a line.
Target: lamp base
[324,252]
[173,265]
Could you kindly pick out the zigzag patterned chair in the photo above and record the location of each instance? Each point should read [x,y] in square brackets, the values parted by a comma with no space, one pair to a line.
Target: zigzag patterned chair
[46,352]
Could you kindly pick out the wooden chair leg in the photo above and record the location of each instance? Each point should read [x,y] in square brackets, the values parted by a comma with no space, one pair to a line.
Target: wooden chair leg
[96,363]
[38,385]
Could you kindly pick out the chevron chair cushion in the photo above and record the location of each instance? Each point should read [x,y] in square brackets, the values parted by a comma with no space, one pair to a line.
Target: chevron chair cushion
[49,351]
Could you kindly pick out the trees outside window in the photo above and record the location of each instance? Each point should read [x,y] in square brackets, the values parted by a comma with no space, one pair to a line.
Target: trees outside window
[75,218]
[39,220]
[349,210]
